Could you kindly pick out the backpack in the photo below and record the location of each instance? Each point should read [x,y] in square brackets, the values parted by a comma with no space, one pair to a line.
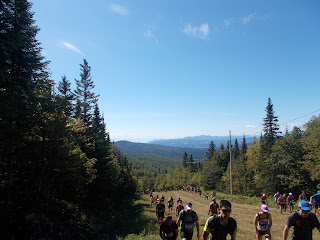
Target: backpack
[214,207]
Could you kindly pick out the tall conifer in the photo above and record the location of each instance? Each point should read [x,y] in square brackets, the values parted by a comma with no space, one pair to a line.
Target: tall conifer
[85,97]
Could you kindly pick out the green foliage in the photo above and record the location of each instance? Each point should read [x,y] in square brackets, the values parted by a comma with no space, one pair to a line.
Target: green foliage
[311,145]
[53,167]
[211,150]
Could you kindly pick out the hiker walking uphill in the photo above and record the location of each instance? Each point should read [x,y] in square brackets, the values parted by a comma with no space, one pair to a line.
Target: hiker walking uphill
[160,209]
[187,219]
[170,204]
[290,201]
[303,222]
[219,226]
[179,208]
[168,229]
[213,207]
[315,202]
[263,223]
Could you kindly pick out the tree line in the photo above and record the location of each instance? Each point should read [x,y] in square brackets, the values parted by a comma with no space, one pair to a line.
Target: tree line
[284,162]
[58,168]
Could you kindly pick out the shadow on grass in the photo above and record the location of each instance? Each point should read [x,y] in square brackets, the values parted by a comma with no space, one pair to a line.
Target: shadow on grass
[138,218]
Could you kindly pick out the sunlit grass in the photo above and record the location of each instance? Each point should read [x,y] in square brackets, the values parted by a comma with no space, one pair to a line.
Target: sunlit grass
[243,210]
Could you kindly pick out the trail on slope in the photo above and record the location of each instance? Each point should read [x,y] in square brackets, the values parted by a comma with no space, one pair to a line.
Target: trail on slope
[243,213]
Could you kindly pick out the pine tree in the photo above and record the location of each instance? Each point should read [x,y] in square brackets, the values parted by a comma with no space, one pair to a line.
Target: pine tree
[26,93]
[65,97]
[236,150]
[85,97]
[185,159]
[244,146]
[270,125]
[211,150]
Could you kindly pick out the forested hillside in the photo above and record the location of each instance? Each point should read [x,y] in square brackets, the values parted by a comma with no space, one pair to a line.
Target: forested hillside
[59,173]
[284,162]
[61,176]
[172,154]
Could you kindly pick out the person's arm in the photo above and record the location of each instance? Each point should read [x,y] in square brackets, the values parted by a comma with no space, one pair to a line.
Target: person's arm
[175,233]
[255,223]
[285,232]
[205,235]
[161,232]
[198,231]
[233,237]
[270,221]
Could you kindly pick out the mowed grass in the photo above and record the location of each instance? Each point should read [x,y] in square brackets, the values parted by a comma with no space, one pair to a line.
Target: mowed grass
[244,210]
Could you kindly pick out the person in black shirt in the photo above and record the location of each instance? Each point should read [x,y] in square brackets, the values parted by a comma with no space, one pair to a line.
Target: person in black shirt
[303,221]
[219,226]
[168,229]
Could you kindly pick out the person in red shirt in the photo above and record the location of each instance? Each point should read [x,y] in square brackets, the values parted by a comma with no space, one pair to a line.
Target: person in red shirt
[168,229]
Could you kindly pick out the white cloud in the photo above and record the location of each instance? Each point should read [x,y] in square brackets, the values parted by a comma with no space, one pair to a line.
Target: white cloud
[70,47]
[197,32]
[119,9]
[250,126]
[247,19]
[149,35]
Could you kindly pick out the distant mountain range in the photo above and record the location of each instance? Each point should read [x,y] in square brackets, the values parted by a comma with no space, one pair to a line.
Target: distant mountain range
[202,141]
[145,151]
[172,150]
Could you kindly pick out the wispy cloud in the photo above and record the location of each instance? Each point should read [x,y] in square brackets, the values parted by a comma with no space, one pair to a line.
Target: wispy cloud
[250,126]
[197,32]
[242,20]
[247,19]
[228,22]
[148,34]
[119,9]
[70,47]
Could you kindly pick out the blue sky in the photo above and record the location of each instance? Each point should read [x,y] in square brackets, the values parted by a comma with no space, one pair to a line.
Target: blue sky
[171,69]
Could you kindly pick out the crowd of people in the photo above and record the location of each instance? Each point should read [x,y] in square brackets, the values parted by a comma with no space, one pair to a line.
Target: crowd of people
[220,223]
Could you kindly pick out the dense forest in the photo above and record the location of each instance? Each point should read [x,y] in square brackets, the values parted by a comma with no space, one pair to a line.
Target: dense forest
[59,173]
[61,177]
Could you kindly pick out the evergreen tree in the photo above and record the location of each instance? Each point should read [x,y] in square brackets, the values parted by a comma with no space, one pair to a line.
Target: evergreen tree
[236,150]
[211,151]
[191,165]
[65,97]
[25,93]
[270,127]
[244,146]
[85,97]
[185,159]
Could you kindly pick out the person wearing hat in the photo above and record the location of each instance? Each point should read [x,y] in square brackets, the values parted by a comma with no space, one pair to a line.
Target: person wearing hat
[303,222]
[168,229]
[186,219]
[263,199]
[315,201]
[213,207]
[290,201]
[219,226]
[263,223]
